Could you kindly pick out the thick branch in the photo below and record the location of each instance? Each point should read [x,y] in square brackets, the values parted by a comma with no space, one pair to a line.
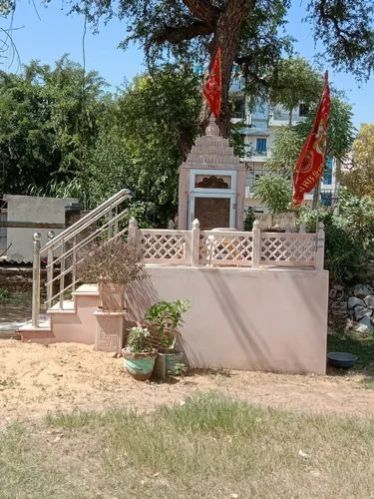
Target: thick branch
[203,10]
[181,33]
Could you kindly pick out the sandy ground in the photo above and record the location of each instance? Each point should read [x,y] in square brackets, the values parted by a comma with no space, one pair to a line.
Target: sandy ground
[35,379]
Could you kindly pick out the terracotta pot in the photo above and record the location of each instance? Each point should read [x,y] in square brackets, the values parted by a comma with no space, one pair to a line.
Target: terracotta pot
[112,296]
[139,365]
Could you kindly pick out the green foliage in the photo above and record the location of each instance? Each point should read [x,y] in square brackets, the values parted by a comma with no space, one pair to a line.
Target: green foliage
[145,136]
[49,119]
[139,340]
[341,130]
[274,191]
[249,218]
[295,81]
[359,176]
[165,318]
[285,151]
[5,295]
[349,243]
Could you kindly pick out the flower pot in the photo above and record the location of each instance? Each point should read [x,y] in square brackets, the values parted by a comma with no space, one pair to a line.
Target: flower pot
[112,296]
[139,365]
[173,357]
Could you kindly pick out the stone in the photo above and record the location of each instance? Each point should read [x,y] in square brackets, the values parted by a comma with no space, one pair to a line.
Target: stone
[339,308]
[362,290]
[353,301]
[359,312]
[369,301]
[364,325]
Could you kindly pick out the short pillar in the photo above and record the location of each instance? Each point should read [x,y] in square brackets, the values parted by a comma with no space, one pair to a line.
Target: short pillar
[133,232]
[110,330]
[320,247]
[195,243]
[256,244]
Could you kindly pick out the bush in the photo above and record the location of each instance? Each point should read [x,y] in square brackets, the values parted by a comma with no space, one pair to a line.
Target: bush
[139,340]
[114,262]
[349,244]
[274,191]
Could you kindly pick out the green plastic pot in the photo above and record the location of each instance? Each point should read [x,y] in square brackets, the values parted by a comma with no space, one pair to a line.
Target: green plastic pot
[139,365]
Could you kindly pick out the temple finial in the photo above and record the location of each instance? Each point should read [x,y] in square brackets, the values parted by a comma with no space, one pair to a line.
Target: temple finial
[212,129]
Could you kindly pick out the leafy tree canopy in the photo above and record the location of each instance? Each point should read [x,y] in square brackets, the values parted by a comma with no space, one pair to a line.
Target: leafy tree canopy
[359,176]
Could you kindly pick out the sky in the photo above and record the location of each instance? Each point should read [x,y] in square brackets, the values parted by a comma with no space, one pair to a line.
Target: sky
[48,33]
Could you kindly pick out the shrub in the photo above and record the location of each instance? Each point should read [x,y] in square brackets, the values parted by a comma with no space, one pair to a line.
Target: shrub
[164,318]
[274,191]
[349,244]
[139,340]
[113,262]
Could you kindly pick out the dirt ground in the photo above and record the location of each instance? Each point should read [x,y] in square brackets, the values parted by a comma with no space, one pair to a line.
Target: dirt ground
[36,379]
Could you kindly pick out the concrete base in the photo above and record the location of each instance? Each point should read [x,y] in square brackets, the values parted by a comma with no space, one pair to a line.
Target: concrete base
[266,320]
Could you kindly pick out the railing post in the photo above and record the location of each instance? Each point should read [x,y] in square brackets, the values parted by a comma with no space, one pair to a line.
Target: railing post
[133,237]
[62,275]
[36,280]
[320,247]
[49,283]
[256,244]
[195,243]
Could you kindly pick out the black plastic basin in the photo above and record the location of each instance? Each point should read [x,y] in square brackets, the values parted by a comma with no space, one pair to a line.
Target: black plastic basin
[343,360]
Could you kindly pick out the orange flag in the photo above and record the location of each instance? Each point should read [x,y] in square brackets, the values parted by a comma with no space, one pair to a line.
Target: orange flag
[213,85]
[309,166]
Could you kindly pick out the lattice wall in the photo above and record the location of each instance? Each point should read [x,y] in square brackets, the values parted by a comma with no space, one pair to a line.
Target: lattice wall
[287,249]
[226,248]
[164,246]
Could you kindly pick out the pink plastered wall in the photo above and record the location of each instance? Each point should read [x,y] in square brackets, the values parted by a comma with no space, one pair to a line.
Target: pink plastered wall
[268,320]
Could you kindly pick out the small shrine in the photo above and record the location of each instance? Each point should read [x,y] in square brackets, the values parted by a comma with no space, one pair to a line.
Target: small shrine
[211,184]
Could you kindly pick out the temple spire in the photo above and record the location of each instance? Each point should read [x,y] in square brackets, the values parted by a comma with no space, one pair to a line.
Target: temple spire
[212,129]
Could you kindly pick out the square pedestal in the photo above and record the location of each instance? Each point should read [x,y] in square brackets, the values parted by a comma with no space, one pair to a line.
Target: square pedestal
[110,330]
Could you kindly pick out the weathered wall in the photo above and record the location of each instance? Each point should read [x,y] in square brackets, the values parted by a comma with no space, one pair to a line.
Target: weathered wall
[32,209]
[271,320]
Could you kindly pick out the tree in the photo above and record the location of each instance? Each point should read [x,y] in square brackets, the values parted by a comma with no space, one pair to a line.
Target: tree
[49,120]
[289,141]
[285,151]
[248,32]
[143,142]
[274,191]
[360,175]
[293,82]
[340,132]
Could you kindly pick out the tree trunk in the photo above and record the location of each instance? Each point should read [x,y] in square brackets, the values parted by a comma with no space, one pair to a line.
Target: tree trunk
[226,36]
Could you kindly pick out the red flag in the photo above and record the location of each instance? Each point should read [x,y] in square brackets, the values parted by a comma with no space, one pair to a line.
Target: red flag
[213,85]
[309,166]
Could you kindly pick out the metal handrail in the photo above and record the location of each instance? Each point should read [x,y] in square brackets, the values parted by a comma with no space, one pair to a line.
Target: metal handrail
[90,217]
[62,250]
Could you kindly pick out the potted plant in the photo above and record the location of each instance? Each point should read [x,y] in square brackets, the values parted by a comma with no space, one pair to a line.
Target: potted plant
[139,354]
[164,320]
[112,266]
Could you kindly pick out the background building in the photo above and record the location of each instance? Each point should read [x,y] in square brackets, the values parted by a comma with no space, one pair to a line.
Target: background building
[259,128]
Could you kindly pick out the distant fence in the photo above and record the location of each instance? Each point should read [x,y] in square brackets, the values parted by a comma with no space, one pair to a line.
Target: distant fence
[228,247]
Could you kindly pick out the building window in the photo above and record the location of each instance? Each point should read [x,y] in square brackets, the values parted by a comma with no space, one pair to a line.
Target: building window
[238,104]
[261,146]
[326,198]
[327,174]
[303,109]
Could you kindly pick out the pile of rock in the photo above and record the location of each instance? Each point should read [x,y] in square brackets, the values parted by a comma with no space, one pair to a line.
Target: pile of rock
[355,304]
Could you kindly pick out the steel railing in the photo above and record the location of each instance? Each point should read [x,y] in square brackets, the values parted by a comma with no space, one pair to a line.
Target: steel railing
[63,253]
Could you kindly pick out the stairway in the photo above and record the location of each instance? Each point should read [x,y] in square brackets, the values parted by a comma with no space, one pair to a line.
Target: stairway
[75,321]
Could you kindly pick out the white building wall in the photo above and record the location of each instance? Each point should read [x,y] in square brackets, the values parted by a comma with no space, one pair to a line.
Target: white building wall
[34,210]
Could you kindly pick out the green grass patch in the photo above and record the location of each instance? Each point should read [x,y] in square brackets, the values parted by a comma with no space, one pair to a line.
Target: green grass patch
[207,447]
[363,347]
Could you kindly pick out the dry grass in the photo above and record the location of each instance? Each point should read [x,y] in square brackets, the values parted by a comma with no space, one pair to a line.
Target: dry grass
[209,446]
